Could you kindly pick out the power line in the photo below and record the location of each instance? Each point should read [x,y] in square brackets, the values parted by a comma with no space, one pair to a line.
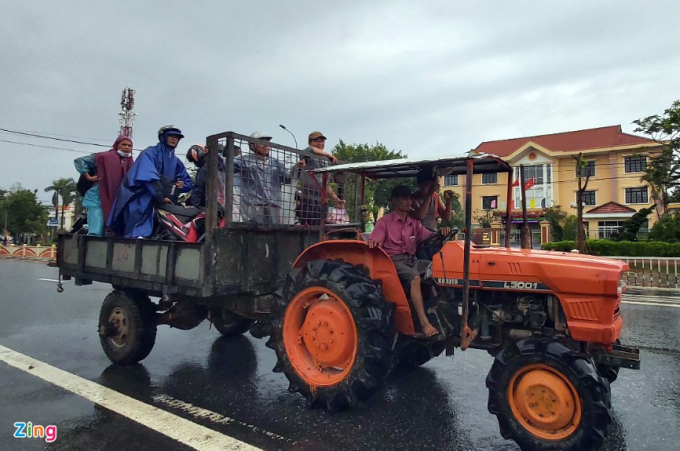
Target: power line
[35,135]
[65,136]
[44,147]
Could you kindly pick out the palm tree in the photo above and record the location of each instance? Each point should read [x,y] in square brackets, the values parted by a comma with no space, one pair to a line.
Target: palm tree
[66,188]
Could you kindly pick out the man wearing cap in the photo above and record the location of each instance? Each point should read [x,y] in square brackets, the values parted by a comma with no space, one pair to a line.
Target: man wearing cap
[147,185]
[260,178]
[310,210]
[399,234]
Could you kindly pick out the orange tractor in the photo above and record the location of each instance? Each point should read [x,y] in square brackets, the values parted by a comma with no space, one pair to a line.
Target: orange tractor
[551,319]
[337,313]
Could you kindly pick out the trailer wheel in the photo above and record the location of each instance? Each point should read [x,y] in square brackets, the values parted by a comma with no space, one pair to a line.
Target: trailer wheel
[127,326]
[334,334]
[230,324]
[548,396]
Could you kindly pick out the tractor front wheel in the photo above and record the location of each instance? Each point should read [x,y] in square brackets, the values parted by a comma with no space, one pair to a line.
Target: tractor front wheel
[548,396]
[334,334]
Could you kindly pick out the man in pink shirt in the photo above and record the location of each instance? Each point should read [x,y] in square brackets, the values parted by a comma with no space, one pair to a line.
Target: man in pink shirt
[399,234]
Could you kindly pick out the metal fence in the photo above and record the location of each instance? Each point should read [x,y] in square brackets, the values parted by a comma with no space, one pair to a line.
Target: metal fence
[656,272]
[605,233]
[515,240]
[272,186]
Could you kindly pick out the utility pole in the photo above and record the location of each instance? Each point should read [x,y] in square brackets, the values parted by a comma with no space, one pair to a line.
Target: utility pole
[127,103]
[580,234]
[525,231]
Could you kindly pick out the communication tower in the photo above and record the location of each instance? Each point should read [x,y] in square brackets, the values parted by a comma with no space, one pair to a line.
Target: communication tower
[127,102]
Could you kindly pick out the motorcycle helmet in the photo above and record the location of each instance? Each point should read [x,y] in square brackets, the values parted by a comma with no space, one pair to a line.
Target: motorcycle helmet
[169,130]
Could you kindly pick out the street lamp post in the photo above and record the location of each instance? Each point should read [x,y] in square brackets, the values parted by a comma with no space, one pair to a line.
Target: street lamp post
[291,134]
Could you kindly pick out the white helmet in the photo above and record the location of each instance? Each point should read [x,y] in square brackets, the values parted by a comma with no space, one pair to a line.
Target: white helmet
[260,135]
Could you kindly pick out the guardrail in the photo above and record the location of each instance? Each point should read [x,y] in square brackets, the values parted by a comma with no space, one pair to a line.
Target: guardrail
[26,252]
[657,272]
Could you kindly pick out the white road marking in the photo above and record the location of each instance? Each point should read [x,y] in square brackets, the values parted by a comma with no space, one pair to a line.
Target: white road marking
[48,280]
[654,304]
[200,412]
[166,423]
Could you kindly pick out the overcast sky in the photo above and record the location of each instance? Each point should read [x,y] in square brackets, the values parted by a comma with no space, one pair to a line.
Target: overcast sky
[425,77]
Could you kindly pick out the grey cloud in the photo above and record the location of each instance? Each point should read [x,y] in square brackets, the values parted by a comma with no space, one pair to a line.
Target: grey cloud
[429,78]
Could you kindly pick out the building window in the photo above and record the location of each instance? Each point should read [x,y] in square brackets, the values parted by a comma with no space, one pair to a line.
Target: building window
[451,180]
[605,229]
[637,195]
[541,173]
[588,197]
[635,164]
[489,202]
[490,178]
[588,170]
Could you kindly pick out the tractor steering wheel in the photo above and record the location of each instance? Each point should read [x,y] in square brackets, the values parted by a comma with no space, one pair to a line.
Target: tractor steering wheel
[438,238]
[429,247]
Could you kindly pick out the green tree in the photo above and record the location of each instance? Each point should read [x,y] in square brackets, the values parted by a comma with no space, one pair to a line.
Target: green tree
[629,230]
[666,229]
[555,216]
[66,189]
[23,211]
[663,171]
[457,216]
[569,228]
[377,193]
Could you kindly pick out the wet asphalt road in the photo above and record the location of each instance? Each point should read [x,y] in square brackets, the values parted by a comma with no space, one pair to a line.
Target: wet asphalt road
[439,406]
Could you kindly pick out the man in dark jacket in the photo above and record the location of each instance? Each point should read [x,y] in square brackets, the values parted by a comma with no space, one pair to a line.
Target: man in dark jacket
[198,155]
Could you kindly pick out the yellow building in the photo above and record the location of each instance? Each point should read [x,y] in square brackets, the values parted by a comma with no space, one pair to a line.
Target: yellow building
[615,162]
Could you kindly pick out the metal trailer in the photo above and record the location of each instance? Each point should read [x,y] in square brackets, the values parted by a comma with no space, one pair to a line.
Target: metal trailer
[229,278]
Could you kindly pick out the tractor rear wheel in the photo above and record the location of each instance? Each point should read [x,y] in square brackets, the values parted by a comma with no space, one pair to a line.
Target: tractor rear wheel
[333,335]
[548,396]
[230,324]
[127,326]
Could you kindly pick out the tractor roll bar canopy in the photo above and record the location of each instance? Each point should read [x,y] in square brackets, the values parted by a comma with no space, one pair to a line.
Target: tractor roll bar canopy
[411,167]
[467,164]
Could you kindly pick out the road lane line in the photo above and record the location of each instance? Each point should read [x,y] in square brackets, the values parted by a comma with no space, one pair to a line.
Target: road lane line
[161,421]
[655,299]
[654,304]
[218,418]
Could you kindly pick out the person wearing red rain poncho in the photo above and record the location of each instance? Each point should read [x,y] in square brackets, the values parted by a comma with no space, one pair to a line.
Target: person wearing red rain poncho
[106,170]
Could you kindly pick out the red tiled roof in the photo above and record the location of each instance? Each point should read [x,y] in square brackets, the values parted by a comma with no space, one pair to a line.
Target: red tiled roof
[592,138]
[611,207]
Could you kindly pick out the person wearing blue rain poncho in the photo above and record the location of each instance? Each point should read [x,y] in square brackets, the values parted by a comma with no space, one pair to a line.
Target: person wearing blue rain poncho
[145,186]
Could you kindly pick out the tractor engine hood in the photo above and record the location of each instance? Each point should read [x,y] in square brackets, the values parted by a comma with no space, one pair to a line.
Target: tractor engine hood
[527,269]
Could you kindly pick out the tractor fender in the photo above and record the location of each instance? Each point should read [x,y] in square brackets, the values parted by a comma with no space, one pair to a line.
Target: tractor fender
[379,265]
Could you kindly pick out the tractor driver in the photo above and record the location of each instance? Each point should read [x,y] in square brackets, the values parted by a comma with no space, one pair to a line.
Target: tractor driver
[399,234]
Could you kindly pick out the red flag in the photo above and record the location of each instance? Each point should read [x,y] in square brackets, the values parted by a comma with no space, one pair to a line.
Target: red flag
[529,183]
[515,183]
